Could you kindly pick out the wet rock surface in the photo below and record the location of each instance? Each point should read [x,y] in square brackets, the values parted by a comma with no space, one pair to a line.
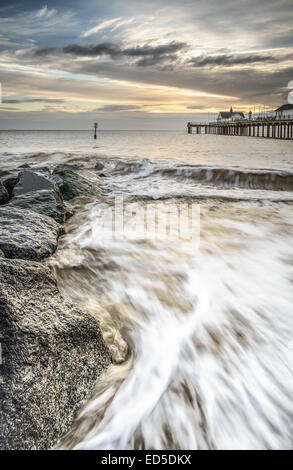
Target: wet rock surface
[30,190]
[24,165]
[46,202]
[4,196]
[30,181]
[72,184]
[26,234]
[9,181]
[52,355]
[52,351]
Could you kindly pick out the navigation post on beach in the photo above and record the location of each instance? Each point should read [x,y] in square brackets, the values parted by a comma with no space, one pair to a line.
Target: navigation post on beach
[95,127]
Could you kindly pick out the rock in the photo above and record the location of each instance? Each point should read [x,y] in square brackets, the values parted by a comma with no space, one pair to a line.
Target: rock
[25,165]
[30,181]
[71,184]
[37,193]
[52,355]
[4,196]
[9,181]
[26,234]
[4,173]
[99,166]
[47,202]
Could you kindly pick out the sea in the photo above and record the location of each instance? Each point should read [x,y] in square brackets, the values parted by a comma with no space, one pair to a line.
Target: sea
[185,258]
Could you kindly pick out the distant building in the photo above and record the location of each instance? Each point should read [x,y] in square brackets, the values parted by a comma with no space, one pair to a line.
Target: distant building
[230,115]
[284,112]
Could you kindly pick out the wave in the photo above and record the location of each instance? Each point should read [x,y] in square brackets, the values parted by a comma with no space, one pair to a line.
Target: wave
[233,177]
[140,168]
[221,177]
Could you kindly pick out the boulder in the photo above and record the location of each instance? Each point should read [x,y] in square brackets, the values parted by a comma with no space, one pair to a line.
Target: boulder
[4,196]
[26,234]
[39,194]
[72,184]
[30,181]
[47,202]
[99,166]
[52,355]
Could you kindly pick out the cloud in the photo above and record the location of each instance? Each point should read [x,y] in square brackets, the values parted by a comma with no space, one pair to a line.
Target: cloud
[46,51]
[146,50]
[157,60]
[33,100]
[105,48]
[6,108]
[103,25]
[196,107]
[44,11]
[282,39]
[148,55]
[228,60]
[121,23]
[117,107]
[112,24]
[30,25]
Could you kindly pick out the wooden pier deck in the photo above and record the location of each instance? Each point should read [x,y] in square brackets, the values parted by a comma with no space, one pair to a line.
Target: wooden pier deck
[274,129]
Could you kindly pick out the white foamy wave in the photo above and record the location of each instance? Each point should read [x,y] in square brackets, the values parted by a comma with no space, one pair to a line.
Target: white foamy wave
[209,333]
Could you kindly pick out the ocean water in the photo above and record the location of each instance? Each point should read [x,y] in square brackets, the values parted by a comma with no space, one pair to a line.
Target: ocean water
[186,260]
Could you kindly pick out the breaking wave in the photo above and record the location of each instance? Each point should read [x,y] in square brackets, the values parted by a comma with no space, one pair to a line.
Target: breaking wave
[210,175]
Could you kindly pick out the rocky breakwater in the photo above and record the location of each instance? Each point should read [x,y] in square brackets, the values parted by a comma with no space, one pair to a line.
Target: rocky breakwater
[52,352]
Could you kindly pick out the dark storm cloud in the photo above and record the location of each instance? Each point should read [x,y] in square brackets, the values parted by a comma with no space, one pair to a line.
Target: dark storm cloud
[228,60]
[109,49]
[148,55]
[142,51]
[46,51]
[117,107]
[157,60]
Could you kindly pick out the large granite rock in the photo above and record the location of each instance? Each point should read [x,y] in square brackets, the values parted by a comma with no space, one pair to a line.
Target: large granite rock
[4,196]
[72,184]
[52,354]
[26,234]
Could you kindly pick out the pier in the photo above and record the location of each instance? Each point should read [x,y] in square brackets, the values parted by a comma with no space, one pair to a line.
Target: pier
[274,128]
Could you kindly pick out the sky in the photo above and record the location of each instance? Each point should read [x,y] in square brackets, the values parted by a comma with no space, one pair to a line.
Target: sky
[141,65]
